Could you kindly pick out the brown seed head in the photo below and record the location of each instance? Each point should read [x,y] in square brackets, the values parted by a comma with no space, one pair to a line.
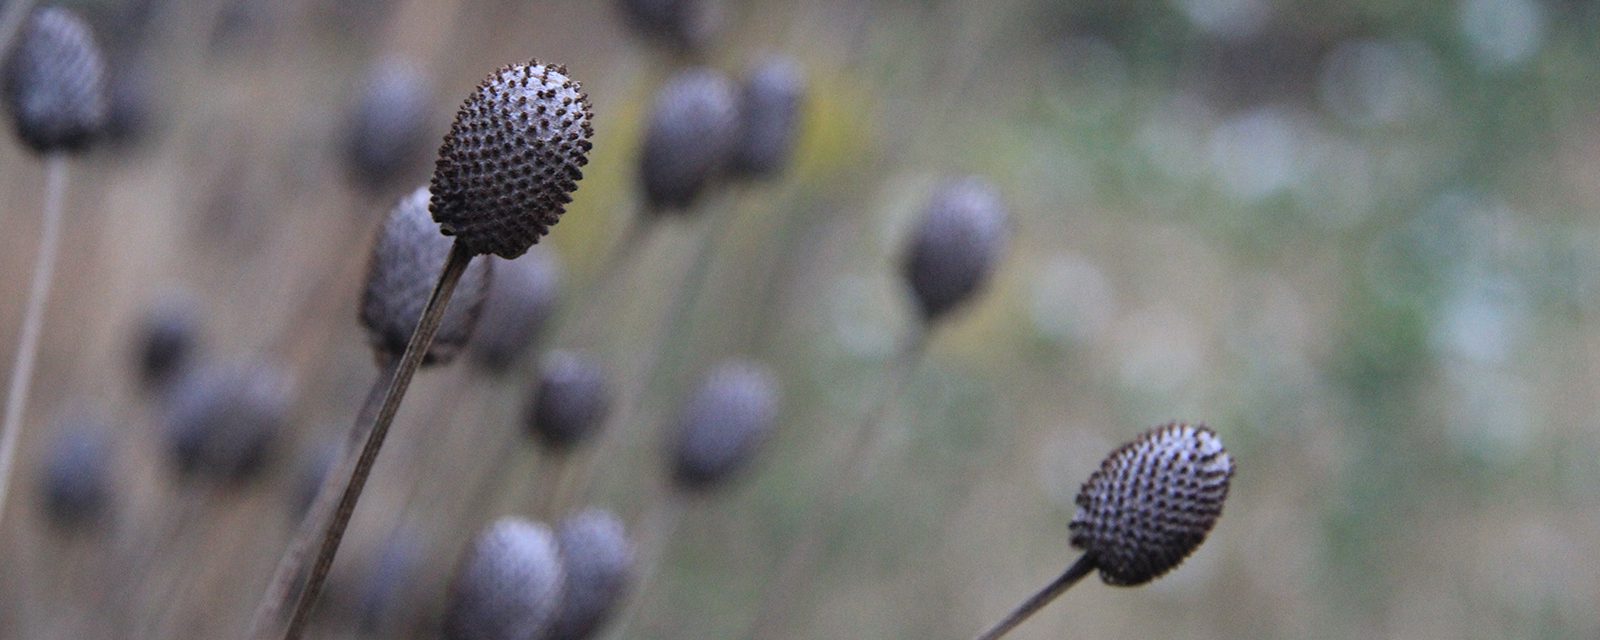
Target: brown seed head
[55,86]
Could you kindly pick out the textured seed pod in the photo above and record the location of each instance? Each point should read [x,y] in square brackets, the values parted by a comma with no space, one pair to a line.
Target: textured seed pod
[689,139]
[55,85]
[521,298]
[512,159]
[773,96]
[508,585]
[405,264]
[1152,502]
[167,340]
[684,26]
[223,420]
[724,423]
[955,246]
[75,481]
[598,559]
[570,402]
[387,129]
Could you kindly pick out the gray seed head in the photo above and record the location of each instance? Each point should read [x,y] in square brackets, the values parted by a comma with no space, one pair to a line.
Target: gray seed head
[167,340]
[689,139]
[1152,502]
[570,402]
[724,424]
[683,26]
[955,247]
[387,129]
[512,159]
[521,299]
[508,585]
[403,270]
[223,420]
[599,560]
[75,482]
[55,86]
[774,95]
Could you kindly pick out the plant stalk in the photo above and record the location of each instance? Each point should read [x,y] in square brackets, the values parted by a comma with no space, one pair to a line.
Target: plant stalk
[1082,567]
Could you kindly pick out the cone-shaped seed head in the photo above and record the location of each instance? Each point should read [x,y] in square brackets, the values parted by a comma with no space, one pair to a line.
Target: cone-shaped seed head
[223,420]
[689,139]
[167,340]
[404,268]
[955,246]
[570,402]
[684,26]
[598,559]
[521,298]
[387,130]
[1152,503]
[75,482]
[512,159]
[55,86]
[508,585]
[724,424]
[769,118]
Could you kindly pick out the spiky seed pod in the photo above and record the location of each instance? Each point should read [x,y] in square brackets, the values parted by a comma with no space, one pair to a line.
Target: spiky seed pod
[773,96]
[223,420]
[512,159]
[684,26]
[521,298]
[724,423]
[167,339]
[401,274]
[598,559]
[1152,502]
[689,139]
[508,586]
[955,246]
[75,482]
[387,129]
[55,85]
[570,402]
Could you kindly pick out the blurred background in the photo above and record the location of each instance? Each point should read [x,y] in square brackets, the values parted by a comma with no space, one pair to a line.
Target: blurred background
[1356,238]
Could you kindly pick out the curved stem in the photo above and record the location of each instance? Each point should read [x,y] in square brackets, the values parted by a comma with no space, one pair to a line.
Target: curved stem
[1082,567]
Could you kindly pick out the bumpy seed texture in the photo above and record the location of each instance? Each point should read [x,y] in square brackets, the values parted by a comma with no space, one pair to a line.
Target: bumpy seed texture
[1152,503]
[684,26]
[521,298]
[512,159]
[955,246]
[387,128]
[724,423]
[55,83]
[689,139]
[405,265]
[570,402]
[770,118]
[508,586]
[598,558]
[223,420]
[167,340]
[75,482]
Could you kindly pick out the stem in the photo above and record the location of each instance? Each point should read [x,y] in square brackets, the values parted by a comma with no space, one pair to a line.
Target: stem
[44,268]
[1082,567]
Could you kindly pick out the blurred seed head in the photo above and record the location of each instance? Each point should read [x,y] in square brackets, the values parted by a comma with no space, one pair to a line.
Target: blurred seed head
[167,339]
[387,583]
[130,116]
[76,479]
[773,97]
[570,402]
[223,420]
[387,129]
[689,138]
[683,26]
[724,424]
[402,272]
[512,159]
[521,298]
[508,585]
[1152,502]
[55,86]
[955,246]
[598,560]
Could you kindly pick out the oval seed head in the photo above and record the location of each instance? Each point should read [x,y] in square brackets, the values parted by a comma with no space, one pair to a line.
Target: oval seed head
[1152,502]
[598,560]
[770,118]
[223,420]
[75,481]
[956,244]
[684,26]
[167,340]
[404,267]
[512,159]
[571,401]
[508,585]
[689,139]
[520,299]
[55,84]
[724,424]
[387,128]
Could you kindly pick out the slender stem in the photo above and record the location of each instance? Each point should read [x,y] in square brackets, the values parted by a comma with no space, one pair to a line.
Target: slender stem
[44,268]
[655,532]
[1082,567]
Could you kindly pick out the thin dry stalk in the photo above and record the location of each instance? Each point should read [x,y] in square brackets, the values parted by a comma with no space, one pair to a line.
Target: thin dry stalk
[1082,567]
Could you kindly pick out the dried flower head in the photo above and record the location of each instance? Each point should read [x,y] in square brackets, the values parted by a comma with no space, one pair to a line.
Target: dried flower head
[55,84]
[75,481]
[724,423]
[570,402]
[689,139]
[598,558]
[521,298]
[955,246]
[387,130]
[508,585]
[223,420]
[774,94]
[684,26]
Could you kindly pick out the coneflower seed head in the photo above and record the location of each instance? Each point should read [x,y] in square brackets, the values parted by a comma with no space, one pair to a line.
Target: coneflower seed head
[55,85]
[570,402]
[598,559]
[689,138]
[508,585]
[387,129]
[522,296]
[955,246]
[770,118]
[724,424]
[223,420]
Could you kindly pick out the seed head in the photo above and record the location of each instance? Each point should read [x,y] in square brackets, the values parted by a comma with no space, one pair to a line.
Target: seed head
[773,96]
[508,586]
[405,265]
[55,83]
[387,129]
[689,139]
[570,402]
[167,339]
[724,423]
[955,246]
[512,159]
[521,298]
[684,26]
[75,481]
[598,558]
[223,420]
[1152,502]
